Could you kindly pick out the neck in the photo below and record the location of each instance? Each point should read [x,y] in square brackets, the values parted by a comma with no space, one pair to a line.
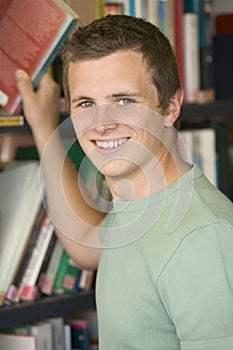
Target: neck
[155,177]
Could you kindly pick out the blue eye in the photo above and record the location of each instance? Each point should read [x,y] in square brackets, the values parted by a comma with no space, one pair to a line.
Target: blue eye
[125,102]
[86,104]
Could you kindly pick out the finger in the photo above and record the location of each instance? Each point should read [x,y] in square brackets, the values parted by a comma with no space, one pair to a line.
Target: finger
[46,80]
[24,84]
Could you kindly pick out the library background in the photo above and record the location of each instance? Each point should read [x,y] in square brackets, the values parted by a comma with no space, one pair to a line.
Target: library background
[53,299]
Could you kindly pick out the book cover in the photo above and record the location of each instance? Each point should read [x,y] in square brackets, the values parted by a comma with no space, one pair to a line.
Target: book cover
[17,342]
[19,184]
[32,33]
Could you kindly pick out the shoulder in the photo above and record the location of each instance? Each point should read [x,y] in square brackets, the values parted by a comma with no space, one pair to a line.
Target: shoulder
[196,283]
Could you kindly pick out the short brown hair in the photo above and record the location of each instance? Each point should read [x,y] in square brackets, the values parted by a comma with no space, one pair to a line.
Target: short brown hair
[112,33]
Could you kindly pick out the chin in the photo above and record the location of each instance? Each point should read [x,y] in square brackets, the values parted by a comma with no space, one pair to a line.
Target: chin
[116,169]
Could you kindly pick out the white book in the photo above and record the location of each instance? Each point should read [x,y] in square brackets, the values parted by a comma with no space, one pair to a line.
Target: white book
[57,324]
[191,58]
[67,334]
[199,145]
[43,333]
[152,11]
[86,279]
[17,342]
[141,9]
[20,192]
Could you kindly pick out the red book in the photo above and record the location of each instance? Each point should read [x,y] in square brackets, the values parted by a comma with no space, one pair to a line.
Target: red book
[178,37]
[32,33]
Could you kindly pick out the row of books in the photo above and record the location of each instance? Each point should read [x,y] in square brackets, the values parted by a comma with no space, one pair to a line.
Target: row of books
[189,25]
[202,42]
[32,258]
[207,145]
[52,333]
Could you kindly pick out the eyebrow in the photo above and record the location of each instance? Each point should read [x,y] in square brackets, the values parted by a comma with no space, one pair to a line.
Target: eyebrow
[125,93]
[80,98]
[114,95]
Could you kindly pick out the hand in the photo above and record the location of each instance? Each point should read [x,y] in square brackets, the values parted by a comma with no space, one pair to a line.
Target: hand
[41,107]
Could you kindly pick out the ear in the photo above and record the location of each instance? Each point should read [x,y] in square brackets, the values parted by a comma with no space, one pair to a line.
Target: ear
[173,110]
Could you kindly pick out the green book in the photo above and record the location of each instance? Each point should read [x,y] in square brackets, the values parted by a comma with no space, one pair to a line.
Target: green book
[67,275]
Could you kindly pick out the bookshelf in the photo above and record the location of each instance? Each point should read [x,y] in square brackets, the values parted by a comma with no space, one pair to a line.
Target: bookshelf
[199,112]
[53,306]
[189,113]
[67,304]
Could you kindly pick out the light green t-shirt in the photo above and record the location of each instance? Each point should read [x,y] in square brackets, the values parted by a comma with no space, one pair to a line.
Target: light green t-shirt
[165,279]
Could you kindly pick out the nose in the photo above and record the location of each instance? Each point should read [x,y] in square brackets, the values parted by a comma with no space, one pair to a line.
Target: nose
[105,128]
[104,119]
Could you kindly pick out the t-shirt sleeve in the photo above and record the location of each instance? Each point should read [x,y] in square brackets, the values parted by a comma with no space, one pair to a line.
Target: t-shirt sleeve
[196,288]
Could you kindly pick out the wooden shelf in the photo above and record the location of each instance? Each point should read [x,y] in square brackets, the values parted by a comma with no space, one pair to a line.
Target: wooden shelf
[64,305]
[193,112]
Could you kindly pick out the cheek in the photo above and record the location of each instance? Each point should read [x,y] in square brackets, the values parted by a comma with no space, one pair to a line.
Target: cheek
[84,143]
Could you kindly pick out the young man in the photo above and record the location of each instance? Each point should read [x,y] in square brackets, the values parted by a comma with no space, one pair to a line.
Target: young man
[164,251]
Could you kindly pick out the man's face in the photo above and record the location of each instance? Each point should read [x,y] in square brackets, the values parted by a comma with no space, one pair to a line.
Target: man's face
[113,106]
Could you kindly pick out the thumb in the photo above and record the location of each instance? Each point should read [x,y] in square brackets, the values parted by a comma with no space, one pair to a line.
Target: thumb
[24,84]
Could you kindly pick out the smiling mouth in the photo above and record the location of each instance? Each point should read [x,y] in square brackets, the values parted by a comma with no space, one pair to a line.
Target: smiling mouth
[111,144]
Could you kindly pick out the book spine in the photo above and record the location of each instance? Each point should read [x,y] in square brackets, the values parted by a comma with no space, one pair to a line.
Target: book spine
[131,7]
[43,333]
[152,11]
[57,324]
[179,38]
[140,7]
[30,289]
[113,9]
[206,48]
[191,57]
[11,120]
[58,283]
[12,292]
[86,279]
[46,261]
[67,336]
[66,276]
[48,282]
[31,272]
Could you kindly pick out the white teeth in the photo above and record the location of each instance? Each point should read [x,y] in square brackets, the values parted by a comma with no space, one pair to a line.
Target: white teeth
[111,144]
